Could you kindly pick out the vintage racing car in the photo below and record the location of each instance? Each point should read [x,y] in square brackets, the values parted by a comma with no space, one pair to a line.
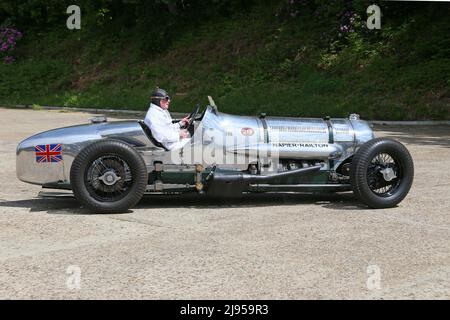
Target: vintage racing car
[109,166]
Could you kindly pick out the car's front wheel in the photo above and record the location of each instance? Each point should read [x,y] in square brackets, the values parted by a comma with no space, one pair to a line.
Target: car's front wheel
[381,173]
[108,176]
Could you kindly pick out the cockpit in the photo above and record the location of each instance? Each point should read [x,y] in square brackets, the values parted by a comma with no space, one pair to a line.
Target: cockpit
[195,118]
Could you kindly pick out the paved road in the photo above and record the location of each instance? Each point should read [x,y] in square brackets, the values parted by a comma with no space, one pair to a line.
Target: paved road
[281,247]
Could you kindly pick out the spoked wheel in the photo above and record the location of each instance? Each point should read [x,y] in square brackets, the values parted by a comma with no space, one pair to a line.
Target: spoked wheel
[382,173]
[108,176]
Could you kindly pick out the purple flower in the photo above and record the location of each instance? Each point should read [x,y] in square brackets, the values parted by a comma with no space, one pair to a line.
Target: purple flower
[9,59]
[8,42]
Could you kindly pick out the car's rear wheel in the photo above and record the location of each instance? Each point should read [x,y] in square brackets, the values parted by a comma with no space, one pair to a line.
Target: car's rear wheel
[381,173]
[108,176]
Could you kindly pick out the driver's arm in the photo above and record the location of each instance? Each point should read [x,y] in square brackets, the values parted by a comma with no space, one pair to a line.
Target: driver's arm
[183,122]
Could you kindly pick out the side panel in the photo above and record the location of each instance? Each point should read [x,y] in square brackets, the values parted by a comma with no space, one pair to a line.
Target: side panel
[73,140]
[297,130]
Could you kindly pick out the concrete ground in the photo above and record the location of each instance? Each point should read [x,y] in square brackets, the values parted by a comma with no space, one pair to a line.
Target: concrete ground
[260,247]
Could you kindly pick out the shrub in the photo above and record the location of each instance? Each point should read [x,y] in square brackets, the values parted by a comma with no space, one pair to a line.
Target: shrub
[8,42]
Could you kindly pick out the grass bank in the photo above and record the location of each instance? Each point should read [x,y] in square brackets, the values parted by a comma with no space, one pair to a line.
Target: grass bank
[250,63]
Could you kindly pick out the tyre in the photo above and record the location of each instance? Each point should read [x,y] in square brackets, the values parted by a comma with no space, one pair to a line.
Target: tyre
[381,173]
[108,176]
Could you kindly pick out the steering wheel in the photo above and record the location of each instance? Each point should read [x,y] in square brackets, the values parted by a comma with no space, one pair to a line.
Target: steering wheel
[192,116]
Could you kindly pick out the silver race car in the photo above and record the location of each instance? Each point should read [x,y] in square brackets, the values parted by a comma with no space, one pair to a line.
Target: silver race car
[109,166]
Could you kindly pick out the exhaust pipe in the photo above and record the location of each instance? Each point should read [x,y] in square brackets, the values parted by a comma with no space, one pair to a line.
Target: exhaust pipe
[268,178]
[221,184]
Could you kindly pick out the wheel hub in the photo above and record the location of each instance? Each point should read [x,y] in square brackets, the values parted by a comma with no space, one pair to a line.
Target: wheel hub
[388,174]
[383,175]
[109,178]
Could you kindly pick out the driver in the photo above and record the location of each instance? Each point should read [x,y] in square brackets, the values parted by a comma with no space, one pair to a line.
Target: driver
[158,119]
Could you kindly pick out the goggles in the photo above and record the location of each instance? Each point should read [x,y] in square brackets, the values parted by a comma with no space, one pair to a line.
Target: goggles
[167,98]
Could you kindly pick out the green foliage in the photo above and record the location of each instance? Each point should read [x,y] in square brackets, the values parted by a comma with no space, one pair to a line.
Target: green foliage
[296,58]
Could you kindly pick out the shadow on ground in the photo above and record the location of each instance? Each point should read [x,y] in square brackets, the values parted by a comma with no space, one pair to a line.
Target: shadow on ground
[423,136]
[69,205]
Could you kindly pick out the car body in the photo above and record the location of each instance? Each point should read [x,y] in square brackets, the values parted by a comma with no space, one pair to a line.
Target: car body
[227,155]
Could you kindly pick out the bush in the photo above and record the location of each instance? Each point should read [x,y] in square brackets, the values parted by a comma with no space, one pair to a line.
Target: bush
[8,42]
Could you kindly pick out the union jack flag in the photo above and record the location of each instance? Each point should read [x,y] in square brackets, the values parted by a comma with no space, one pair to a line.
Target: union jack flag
[48,153]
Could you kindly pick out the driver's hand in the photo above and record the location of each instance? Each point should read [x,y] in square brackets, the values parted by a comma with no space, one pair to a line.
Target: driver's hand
[184,121]
[184,134]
